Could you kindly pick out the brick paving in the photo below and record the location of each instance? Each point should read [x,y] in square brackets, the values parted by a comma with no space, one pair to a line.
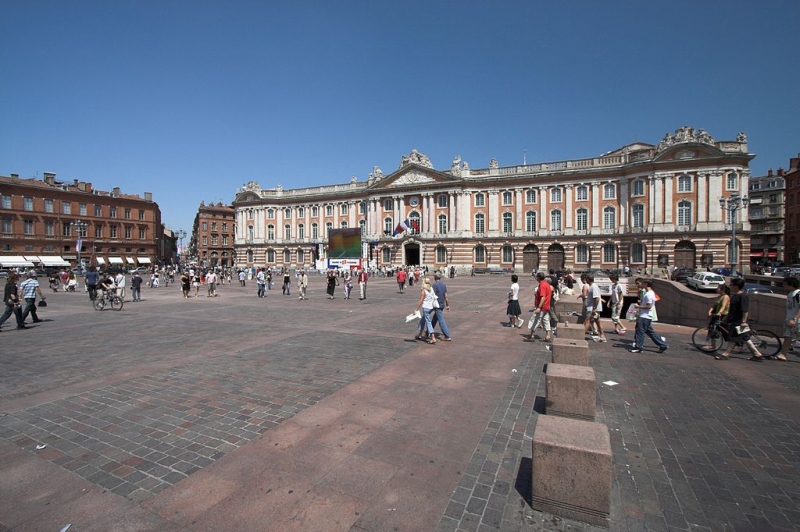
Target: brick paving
[138,403]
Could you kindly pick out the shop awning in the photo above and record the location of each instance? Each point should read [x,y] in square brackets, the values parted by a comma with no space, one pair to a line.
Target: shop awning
[52,260]
[115,260]
[762,255]
[143,260]
[14,261]
[130,260]
[100,260]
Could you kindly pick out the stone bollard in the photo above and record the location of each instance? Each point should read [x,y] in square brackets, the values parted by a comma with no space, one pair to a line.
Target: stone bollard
[570,391]
[574,352]
[571,331]
[572,466]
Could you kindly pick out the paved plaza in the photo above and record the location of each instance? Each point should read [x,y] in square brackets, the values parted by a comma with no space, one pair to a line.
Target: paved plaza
[240,413]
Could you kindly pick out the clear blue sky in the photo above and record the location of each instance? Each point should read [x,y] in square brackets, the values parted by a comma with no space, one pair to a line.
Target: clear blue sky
[191,99]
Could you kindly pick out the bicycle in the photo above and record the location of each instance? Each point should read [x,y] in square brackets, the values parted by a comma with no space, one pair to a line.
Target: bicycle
[711,338]
[110,297]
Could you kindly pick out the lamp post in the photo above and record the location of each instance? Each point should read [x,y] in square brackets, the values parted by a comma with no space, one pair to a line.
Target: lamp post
[732,205]
[80,227]
[181,236]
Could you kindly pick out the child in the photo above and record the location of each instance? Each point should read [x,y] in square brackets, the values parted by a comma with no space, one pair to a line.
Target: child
[617,298]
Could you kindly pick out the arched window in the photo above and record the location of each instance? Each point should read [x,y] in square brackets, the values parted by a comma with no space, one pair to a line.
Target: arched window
[271,256]
[287,256]
[507,198]
[609,217]
[441,255]
[732,181]
[530,221]
[609,191]
[301,256]
[480,254]
[442,223]
[315,230]
[480,227]
[314,211]
[301,212]
[388,225]
[507,253]
[684,213]
[287,231]
[362,224]
[343,224]
[415,221]
[609,253]
[637,253]
[287,213]
[480,200]
[508,222]
[582,253]
[301,231]
[328,227]
[685,183]
[270,214]
[637,215]
[582,193]
[530,196]
[582,219]
[555,220]
[270,232]
[328,210]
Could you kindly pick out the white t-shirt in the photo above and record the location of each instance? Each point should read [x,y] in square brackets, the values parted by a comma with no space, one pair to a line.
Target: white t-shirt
[616,293]
[792,304]
[592,296]
[649,298]
[514,292]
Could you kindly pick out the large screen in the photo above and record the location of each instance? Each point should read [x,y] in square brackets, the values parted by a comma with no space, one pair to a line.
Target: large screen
[344,243]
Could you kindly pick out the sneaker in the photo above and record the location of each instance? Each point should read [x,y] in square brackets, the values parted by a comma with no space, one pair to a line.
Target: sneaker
[662,349]
[603,339]
[634,350]
[622,331]
[596,339]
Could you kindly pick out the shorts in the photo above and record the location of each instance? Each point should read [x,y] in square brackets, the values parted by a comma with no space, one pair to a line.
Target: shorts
[791,332]
[616,309]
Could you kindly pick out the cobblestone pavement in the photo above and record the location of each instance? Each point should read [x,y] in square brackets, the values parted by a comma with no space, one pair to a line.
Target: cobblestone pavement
[137,401]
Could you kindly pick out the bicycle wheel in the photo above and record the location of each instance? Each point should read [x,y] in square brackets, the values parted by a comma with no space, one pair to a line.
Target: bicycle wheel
[116,303]
[99,303]
[767,343]
[702,340]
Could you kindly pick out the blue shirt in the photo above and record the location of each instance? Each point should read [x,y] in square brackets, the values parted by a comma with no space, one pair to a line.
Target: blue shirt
[440,289]
[29,287]
[91,278]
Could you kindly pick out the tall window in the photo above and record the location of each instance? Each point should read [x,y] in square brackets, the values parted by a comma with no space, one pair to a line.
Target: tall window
[314,231]
[287,256]
[343,224]
[415,221]
[314,212]
[6,204]
[127,211]
[224,227]
[48,205]
[112,212]
[345,209]
[362,224]
[27,226]
[224,238]
[507,253]
[7,226]
[637,215]
[287,213]
[530,196]
[732,181]
[98,210]
[609,217]
[508,225]
[205,226]
[610,191]
[507,198]
[388,225]
[441,200]
[386,253]
[270,214]
[287,231]
[328,210]
[555,195]
[270,232]
[555,220]
[301,231]
[582,193]
[66,207]
[582,219]
[49,228]
[143,234]
[480,200]
[141,214]
[66,229]
[251,232]
[685,183]
[442,223]
[270,256]
[113,231]
[328,227]
[479,223]
[530,221]
[441,254]
[362,207]
[582,253]
[609,253]
[301,256]
[638,188]
[250,256]
[684,213]
[388,205]
[98,231]
[128,232]
[301,212]
[480,254]
[637,253]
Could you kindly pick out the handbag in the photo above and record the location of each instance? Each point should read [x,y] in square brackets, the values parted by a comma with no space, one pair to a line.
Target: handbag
[42,303]
[632,313]
[741,329]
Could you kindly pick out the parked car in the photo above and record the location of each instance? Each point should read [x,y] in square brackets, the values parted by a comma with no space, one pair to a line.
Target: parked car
[726,272]
[705,281]
[794,270]
[140,269]
[783,271]
[751,288]
[682,274]
[3,273]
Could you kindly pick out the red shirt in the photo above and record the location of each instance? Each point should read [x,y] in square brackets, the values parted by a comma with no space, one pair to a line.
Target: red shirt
[544,292]
[401,276]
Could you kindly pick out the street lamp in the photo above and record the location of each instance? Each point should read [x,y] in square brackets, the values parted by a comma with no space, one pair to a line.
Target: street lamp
[181,236]
[80,226]
[732,205]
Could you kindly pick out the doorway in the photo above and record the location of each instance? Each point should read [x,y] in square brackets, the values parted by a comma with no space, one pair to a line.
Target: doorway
[412,255]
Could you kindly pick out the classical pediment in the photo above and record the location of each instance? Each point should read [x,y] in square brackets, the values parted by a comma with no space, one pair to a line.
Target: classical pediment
[412,175]
[688,151]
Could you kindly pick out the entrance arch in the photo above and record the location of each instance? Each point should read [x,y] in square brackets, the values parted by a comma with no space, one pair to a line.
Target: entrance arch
[685,254]
[530,258]
[412,255]
[555,257]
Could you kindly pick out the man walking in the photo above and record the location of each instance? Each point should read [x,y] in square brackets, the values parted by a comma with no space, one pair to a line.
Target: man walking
[594,306]
[362,283]
[440,289]
[260,280]
[30,288]
[91,282]
[644,322]
[302,284]
[136,286]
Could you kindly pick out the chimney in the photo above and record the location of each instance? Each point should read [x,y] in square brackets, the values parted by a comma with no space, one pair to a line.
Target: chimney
[15,178]
[81,186]
[115,191]
[50,178]
[780,172]
[88,187]
[74,182]
[794,162]
[769,172]
[148,196]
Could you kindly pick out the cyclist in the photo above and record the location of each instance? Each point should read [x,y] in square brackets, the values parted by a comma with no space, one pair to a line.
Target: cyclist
[737,319]
[719,311]
[106,285]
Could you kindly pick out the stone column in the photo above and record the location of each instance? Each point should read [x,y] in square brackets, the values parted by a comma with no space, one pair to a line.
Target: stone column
[569,208]
[668,207]
[703,205]
[595,206]
[622,199]
[544,222]
[519,220]
[658,199]
[492,199]
[451,211]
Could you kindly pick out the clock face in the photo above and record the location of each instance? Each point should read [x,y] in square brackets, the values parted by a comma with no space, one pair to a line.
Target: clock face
[413,201]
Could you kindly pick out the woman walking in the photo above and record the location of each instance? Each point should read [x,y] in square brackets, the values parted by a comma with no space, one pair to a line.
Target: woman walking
[332,283]
[348,284]
[513,309]
[427,302]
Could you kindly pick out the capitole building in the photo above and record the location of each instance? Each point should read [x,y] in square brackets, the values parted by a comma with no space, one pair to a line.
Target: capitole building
[642,205]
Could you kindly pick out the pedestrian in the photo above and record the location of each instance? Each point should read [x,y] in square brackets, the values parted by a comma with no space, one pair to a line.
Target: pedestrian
[136,286]
[348,284]
[332,283]
[261,279]
[736,322]
[427,302]
[91,282]
[302,284]
[30,289]
[362,283]
[541,314]
[11,301]
[644,321]
[401,280]
[440,289]
[593,305]
[513,309]
[617,300]
[119,280]
[211,281]
[791,326]
[287,282]
[186,283]
[241,277]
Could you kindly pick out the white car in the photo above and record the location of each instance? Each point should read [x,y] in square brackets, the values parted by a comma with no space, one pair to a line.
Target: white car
[705,281]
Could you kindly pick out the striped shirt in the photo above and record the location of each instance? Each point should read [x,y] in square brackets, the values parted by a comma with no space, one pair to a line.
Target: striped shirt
[29,287]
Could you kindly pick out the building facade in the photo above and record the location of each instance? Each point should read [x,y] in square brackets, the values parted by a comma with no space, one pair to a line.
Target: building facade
[76,222]
[213,235]
[643,205]
[767,210]
[791,238]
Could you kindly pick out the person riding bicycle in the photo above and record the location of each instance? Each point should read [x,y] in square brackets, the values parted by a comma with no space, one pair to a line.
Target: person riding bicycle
[719,311]
[106,285]
[736,322]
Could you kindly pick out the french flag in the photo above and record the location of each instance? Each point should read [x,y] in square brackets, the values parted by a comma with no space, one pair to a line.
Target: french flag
[402,227]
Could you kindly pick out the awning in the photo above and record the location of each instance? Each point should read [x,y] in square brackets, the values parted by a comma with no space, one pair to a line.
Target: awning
[143,260]
[100,260]
[762,255]
[14,261]
[52,260]
[115,260]
[130,260]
